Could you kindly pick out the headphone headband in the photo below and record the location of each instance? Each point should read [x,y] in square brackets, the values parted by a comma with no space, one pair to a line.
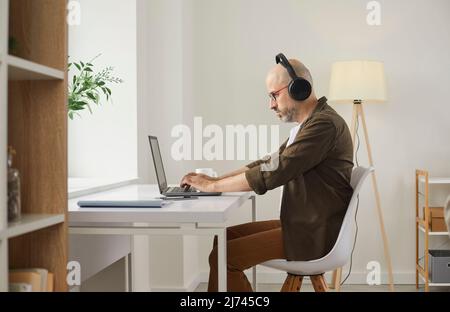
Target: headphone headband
[282,59]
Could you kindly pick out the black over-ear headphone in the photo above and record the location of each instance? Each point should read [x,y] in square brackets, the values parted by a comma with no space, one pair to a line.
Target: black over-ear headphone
[299,89]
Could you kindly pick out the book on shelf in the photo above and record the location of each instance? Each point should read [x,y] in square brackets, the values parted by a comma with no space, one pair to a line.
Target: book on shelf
[31,280]
[20,287]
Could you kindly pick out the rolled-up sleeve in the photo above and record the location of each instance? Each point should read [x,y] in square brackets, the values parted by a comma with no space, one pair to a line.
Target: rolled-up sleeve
[308,150]
[267,158]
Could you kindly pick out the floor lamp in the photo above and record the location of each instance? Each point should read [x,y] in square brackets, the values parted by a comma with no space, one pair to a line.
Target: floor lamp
[361,82]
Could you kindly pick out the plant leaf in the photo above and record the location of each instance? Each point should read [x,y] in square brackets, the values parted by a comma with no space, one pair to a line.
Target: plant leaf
[91,96]
[88,87]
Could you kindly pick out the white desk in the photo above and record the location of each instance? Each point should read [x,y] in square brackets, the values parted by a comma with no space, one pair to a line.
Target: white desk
[97,252]
[176,218]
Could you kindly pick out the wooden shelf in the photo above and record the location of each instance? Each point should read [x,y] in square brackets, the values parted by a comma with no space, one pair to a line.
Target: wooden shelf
[436,284]
[435,180]
[434,233]
[30,223]
[20,69]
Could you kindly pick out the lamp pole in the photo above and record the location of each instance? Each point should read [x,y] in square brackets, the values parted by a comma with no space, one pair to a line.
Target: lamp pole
[358,112]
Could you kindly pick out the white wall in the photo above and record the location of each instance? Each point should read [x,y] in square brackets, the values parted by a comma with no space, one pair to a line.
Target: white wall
[217,69]
[105,144]
[164,101]
[235,44]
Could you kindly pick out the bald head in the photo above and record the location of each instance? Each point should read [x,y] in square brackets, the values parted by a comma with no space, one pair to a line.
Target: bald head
[279,75]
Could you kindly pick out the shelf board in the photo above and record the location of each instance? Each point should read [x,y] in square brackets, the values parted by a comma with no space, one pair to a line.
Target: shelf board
[30,223]
[435,180]
[435,284]
[21,69]
[434,233]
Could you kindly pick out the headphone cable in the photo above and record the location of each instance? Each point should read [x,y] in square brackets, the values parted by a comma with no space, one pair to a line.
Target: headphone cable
[357,205]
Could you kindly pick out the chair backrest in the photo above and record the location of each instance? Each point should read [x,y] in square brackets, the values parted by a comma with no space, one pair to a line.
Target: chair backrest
[341,252]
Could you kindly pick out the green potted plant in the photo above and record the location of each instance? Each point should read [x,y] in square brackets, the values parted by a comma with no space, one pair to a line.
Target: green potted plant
[87,86]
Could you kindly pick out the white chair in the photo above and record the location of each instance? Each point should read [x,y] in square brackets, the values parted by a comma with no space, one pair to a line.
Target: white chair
[338,256]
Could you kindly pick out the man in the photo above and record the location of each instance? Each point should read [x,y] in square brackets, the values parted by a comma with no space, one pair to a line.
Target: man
[314,167]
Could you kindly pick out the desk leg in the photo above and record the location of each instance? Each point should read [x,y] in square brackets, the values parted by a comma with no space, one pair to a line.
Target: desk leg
[140,263]
[253,198]
[128,273]
[222,260]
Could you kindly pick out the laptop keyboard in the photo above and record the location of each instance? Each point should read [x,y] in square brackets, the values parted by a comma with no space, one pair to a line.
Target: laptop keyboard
[181,190]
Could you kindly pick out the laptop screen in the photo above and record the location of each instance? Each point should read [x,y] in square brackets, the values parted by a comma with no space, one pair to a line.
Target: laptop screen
[159,167]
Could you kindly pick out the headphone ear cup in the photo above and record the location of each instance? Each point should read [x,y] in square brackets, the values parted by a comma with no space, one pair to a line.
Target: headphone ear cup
[300,89]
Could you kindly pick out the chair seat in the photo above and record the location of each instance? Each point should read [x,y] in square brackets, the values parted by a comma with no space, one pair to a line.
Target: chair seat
[303,268]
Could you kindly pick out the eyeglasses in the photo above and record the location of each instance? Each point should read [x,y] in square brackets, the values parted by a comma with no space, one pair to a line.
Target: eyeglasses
[273,95]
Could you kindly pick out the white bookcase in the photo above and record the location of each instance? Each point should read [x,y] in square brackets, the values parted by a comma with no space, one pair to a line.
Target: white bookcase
[3,142]
[424,183]
[33,119]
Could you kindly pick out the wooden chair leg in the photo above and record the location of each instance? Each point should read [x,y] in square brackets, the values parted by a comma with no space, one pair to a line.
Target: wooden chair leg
[333,280]
[319,283]
[293,283]
[337,282]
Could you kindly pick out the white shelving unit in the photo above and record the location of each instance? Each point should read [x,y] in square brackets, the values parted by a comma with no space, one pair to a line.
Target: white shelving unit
[3,142]
[423,180]
[16,69]
[433,233]
[29,223]
[436,180]
[435,284]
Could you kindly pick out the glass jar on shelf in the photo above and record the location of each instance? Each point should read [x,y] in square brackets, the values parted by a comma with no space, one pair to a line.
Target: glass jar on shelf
[14,202]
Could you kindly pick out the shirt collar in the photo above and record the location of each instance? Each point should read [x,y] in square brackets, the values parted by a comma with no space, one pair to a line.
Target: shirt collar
[321,104]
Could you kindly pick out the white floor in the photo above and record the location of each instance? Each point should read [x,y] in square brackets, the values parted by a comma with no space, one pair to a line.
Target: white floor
[346,288]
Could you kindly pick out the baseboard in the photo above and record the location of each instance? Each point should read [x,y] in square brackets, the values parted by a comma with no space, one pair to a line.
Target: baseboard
[192,286]
[189,287]
[356,278]
[265,277]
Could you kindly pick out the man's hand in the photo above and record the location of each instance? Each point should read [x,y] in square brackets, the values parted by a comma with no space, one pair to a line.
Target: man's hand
[204,183]
[201,182]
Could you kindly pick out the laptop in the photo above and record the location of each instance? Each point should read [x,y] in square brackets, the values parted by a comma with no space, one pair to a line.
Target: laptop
[161,176]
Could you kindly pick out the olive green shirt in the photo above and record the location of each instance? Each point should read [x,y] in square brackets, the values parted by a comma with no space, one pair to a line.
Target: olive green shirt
[315,171]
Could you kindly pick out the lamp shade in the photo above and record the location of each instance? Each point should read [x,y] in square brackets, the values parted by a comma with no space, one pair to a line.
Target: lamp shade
[358,80]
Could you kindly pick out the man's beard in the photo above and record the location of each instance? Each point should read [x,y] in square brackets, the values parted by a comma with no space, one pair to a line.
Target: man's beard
[289,116]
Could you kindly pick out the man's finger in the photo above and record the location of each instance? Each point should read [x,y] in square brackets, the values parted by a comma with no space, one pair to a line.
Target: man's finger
[184,181]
